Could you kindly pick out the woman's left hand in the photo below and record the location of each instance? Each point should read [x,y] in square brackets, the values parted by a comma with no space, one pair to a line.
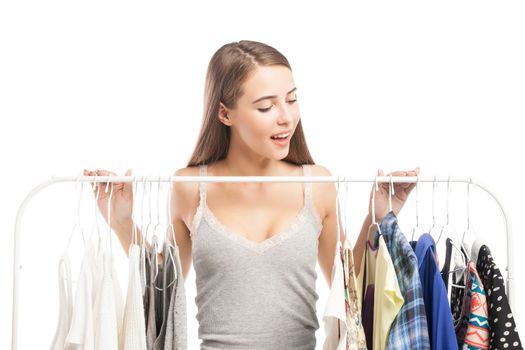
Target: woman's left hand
[401,192]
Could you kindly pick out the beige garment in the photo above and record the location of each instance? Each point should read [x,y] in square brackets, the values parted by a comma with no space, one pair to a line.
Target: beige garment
[387,295]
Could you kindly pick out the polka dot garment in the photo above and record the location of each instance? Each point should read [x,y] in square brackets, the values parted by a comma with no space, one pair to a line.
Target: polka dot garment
[503,332]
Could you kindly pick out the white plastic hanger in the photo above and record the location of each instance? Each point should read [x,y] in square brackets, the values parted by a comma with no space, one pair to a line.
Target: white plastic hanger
[434,226]
[109,238]
[374,222]
[469,228]
[96,226]
[418,226]
[77,225]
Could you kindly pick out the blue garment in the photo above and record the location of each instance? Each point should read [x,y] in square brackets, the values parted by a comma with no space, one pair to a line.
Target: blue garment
[439,317]
[409,330]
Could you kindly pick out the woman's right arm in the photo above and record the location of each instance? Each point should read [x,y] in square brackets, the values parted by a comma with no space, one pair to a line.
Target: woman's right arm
[184,198]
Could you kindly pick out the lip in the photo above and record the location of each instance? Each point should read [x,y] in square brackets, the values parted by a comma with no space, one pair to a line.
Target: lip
[283,132]
[282,142]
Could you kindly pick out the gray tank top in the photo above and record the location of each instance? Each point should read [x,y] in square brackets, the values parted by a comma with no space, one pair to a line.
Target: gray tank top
[253,295]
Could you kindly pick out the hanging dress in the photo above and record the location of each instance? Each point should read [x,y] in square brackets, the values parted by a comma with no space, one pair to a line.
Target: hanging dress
[81,332]
[356,339]
[334,317]
[108,309]
[66,303]
[176,328]
[382,302]
[134,329]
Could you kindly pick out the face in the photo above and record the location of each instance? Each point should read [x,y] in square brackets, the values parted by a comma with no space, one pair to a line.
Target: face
[268,107]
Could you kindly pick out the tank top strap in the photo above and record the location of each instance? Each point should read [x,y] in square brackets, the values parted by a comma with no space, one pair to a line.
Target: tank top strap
[307,186]
[203,171]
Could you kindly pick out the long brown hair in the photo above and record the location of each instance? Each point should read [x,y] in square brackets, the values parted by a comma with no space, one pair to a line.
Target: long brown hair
[228,68]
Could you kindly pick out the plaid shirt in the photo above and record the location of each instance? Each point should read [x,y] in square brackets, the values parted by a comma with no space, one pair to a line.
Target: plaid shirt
[409,330]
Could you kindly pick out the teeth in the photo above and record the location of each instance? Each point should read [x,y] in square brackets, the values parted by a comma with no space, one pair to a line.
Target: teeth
[281,136]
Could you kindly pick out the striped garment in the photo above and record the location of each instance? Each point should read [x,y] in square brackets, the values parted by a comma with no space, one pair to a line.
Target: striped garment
[409,330]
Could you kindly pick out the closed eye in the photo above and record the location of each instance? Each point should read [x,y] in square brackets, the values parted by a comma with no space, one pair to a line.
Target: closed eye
[267,109]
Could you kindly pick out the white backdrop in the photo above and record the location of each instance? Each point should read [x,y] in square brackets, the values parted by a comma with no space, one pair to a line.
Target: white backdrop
[117,85]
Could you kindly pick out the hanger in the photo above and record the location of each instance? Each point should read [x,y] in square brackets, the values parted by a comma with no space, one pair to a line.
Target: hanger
[109,238]
[345,207]
[78,224]
[374,222]
[142,256]
[95,223]
[391,194]
[453,243]
[417,210]
[449,225]
[134,239]
[172,230]
[434,226]
[468,217]
[338,230]
[154,240]
[158,225]
[168,210]
[150,222]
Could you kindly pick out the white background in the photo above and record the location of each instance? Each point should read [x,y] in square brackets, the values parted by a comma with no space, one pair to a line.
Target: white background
[380,85]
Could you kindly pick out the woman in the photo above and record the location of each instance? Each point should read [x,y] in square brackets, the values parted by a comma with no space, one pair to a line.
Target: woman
[254,246]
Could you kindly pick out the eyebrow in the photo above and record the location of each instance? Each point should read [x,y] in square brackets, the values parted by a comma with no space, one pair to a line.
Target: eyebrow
[273,96]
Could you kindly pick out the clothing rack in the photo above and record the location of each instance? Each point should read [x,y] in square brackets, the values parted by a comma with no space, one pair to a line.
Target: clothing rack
[17,264]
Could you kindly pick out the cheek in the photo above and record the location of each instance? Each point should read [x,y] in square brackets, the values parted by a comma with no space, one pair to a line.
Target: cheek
[257,126]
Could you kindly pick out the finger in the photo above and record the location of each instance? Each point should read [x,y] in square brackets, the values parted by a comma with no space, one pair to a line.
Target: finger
[128,185]
[91,173]
[103,184]
[86,173]
[398,173]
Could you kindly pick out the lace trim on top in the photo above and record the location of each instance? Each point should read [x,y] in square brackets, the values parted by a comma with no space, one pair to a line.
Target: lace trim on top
[203,211]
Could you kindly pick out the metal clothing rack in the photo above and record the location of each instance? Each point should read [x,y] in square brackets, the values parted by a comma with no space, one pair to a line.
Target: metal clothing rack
[17,265]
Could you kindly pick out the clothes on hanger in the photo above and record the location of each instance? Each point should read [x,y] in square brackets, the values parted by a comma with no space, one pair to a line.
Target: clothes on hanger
[334,317]
[176,327]
[249,295]
[108,308]
[439,317]
[409,330]
[377,269]
[81,332]
[134,324]
[503,331]
[153,301]
[445,275]
[65,301]
[475,314]
[166,288]
[457,289]
[356,339]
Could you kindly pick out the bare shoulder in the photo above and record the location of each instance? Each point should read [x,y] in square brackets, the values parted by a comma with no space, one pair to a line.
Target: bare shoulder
[185,195]
[324,193]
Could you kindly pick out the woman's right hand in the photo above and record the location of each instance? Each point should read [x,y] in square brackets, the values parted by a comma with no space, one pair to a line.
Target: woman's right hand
[121,199]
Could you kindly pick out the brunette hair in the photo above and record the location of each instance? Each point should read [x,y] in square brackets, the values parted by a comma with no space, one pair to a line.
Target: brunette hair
[229,66]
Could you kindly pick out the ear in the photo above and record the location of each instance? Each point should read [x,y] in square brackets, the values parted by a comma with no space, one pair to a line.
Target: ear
[223,115]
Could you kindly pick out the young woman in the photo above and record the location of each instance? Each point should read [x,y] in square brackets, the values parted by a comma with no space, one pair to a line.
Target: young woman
[254,246]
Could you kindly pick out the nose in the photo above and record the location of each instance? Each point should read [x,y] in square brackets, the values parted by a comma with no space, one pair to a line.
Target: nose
[286,115]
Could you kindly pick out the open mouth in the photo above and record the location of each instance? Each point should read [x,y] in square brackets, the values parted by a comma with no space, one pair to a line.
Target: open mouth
[281,139]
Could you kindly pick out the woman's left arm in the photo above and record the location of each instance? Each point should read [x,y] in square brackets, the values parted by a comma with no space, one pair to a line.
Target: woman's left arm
[327,238]
[325,194]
